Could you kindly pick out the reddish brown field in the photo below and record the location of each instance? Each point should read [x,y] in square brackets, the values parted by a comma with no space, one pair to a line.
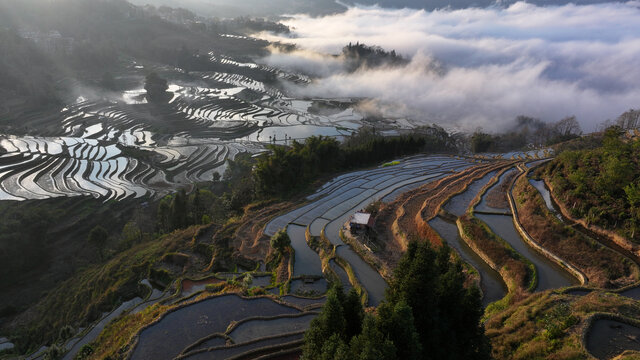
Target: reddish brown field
[406,217]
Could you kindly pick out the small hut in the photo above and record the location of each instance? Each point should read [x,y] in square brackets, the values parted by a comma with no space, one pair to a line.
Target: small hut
[361,221]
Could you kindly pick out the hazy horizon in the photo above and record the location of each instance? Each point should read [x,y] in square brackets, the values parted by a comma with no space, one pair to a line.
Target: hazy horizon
[479,67]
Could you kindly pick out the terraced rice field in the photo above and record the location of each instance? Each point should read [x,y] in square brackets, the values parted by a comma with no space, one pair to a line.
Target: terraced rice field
[127,147]
[332,205]
[223,326]
[550,275]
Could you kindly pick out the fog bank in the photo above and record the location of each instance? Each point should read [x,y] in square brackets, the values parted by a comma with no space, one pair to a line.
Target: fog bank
[480,67]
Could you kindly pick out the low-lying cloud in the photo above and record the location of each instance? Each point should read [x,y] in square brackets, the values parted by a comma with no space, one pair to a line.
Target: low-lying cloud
[492,64]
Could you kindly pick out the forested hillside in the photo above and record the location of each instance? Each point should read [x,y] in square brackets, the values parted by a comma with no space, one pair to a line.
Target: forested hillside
[602,185]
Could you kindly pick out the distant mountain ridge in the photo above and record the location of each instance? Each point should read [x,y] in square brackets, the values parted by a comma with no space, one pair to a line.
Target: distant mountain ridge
[274,8]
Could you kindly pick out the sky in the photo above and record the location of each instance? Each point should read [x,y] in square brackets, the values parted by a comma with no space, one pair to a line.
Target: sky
[478,67]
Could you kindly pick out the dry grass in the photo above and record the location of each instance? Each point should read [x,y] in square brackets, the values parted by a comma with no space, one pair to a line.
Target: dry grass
[249,239]
[497,196]
[602,266]
[523,330]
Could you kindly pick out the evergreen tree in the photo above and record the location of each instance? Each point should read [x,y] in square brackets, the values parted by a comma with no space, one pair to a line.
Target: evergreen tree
[398,322]
[428,313]
[179,210]
[371,344]
[98,237]
[353,314]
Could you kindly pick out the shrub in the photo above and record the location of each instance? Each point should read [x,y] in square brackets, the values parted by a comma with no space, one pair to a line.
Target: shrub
[280,241]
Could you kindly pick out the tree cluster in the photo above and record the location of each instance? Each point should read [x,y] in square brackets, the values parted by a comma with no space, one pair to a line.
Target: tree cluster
[427,314]
[288,169]
[527,132]
[226,197]
[360,55]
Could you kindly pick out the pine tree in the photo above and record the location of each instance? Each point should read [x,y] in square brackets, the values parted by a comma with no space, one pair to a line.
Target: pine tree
[371,343]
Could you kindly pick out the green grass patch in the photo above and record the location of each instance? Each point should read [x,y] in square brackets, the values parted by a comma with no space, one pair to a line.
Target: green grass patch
[391,163]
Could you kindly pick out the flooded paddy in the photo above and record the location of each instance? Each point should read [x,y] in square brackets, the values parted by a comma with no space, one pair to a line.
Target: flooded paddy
[633,293]
[342,275]
[225,352]
[609,338]
[550,275]
[97,328]
[307,261]
[126,146]
[484,204]
[190,287]
[304,301]
[309,288]
[459,204]
[546,196]
[183,327]
[259,328]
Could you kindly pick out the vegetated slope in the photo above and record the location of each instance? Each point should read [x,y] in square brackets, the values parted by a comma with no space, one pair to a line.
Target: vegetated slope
[601,186]
[550,325]
[602,266]
[100,288]
[43,242]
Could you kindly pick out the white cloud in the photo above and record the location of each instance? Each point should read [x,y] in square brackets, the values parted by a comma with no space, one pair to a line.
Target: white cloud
[547,62]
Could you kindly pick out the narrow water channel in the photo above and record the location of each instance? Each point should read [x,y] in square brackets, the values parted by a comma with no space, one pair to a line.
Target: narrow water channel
[546,196]
[493,288]
[633,293]
[550,275]
[458,204]
[307,261]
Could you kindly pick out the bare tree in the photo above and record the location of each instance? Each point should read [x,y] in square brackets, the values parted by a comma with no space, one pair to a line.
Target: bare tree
[629,120]
[568,126]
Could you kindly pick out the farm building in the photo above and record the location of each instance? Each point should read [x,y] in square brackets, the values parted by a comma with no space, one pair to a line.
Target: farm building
[361,221]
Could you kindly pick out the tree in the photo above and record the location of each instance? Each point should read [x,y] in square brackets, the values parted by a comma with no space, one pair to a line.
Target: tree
[330,322]
[446,314]
[98,237]
[481,142]
[156,87]
[353,313]
[280,241]
[398,322]
[179,210]
[567,128]
[629,120]
[372,344]
[427,313]
[131,234]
